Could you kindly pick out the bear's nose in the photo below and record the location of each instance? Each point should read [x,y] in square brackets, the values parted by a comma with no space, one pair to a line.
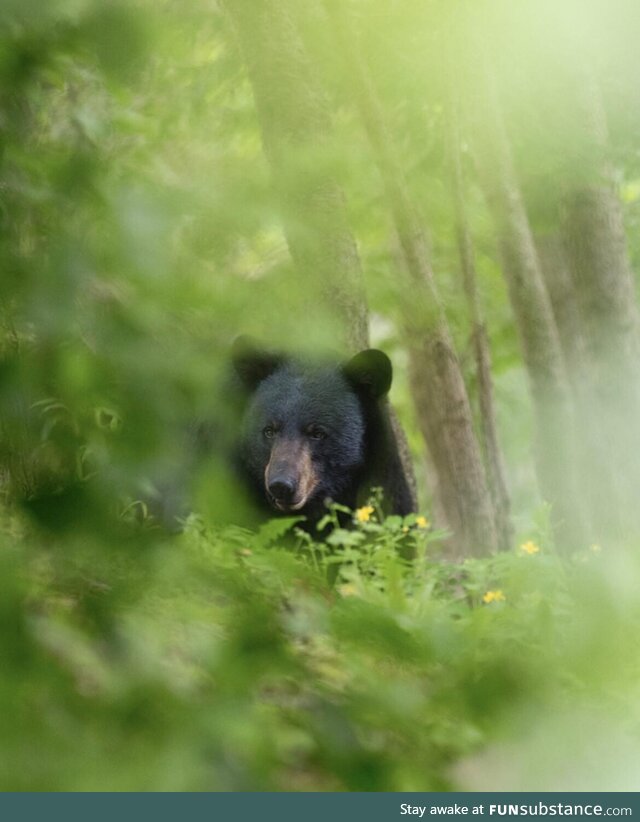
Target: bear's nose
[282,489]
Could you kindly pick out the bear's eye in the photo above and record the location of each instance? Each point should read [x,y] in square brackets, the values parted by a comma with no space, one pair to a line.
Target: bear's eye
[316,432]
[269,432]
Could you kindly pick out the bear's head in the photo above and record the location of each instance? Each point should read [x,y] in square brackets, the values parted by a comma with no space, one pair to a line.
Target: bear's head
[306,431]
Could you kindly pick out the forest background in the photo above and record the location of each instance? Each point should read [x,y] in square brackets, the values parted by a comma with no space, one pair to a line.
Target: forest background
[455,183]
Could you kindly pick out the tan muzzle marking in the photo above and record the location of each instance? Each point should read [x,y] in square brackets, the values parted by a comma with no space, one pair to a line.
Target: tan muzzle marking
[293,458]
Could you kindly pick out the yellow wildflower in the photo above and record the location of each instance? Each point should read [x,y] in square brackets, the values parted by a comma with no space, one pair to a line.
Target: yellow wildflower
[630,192]
[422,522]
[364,514]
[529,548]
[348,590]
[493,596]
[595,548]
[405,529]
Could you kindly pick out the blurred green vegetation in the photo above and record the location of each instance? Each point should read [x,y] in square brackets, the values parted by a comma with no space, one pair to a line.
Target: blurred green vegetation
[221,661]
[139,235]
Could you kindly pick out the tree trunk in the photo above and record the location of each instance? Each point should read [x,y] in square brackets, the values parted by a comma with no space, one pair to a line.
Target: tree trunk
[595,242]
[595,238]
[437,385]
[493,453]
[597,249]
[598,477]
[555,451]
[296,130]
[564,298]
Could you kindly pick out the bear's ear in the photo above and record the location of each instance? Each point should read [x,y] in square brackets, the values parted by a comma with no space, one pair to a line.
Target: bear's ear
[252,363]
[370,372]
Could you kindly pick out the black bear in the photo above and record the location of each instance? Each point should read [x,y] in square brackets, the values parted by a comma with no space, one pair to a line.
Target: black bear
[317,431]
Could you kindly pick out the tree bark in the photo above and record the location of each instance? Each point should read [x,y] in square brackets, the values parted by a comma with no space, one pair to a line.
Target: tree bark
[596,242]
[555,451]
[437,385]
[564,298]
[598,477]
[494,459]
[594,237]
[296,130]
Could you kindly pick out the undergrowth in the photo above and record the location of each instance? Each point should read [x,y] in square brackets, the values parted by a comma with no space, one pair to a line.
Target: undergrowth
[226,660]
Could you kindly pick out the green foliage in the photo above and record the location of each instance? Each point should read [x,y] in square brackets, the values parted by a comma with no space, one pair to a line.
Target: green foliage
[138,236]
[223,660]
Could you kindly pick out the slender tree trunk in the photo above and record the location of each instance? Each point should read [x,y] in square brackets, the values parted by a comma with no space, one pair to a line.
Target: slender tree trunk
[494,459]
[594,237]
[437,385]
[296,130]
[555,451]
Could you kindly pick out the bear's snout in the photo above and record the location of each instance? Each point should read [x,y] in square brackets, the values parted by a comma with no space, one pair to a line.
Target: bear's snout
[290,478]
[282,489]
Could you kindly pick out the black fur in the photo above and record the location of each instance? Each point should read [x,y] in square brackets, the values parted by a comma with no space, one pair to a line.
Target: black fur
[337,414]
